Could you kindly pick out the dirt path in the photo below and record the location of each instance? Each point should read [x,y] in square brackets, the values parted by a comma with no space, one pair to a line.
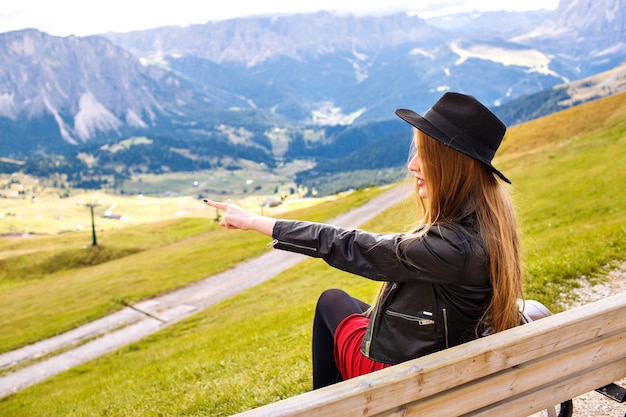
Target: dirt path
[135,322]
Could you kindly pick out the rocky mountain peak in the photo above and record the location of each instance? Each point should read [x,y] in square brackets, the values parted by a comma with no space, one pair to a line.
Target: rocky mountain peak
[89,85]
[585,25]
[254,40]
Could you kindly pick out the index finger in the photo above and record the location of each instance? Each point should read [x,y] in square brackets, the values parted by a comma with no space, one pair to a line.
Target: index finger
[217,204]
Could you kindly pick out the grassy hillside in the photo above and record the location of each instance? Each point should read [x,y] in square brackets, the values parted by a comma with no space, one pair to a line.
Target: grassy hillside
[567,173]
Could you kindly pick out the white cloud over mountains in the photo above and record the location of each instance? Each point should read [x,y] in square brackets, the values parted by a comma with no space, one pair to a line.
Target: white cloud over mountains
[79,17]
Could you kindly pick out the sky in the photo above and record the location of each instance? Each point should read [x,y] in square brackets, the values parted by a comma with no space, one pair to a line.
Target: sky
[87,17]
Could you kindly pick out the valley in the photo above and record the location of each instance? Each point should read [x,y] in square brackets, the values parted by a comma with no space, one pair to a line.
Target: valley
[32,206]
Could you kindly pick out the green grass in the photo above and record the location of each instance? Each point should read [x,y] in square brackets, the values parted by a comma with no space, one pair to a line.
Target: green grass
[255,347]
[570,196]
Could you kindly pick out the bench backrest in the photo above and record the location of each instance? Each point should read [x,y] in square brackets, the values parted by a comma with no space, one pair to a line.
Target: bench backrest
[514,373]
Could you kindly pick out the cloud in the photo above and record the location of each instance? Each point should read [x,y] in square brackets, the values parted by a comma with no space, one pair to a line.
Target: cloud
[80,17]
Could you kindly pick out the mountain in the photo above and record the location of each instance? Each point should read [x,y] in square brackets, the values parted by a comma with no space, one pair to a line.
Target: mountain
[251,41]
[294,63]
[313,68]
[563,96]
[490,23]
[89,86]
[60,93]
[275,88]
[582,28]
[326,68]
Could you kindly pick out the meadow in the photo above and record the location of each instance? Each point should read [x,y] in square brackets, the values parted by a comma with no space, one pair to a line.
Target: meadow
[567,171]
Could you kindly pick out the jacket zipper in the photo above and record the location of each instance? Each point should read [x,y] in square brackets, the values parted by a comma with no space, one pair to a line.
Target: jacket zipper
[295,245]
[445,326]
[420,321]
[368,342]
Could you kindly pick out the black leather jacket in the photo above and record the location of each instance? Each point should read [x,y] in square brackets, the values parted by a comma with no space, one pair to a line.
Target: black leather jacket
[439,286]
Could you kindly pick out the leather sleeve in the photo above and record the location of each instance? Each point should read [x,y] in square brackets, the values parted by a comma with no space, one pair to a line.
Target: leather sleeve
[442,256]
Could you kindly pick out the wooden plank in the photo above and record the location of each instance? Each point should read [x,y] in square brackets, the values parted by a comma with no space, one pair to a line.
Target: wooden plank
[522,380]
[443,371]
[543,397]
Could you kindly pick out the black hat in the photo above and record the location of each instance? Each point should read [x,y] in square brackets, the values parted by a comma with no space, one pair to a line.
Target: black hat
[462,123]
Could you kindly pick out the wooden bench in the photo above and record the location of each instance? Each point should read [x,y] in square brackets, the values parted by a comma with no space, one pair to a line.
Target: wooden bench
[513,373]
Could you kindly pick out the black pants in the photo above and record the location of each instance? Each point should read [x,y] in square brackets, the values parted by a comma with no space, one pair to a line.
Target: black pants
[332,307]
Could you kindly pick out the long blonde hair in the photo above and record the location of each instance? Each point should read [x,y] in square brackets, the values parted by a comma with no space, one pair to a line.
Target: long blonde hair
[459,186]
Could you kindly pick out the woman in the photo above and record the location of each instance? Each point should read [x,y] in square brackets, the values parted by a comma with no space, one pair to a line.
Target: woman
[456,276]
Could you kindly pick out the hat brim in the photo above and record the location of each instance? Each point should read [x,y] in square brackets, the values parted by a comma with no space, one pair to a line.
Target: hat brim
[431,130]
